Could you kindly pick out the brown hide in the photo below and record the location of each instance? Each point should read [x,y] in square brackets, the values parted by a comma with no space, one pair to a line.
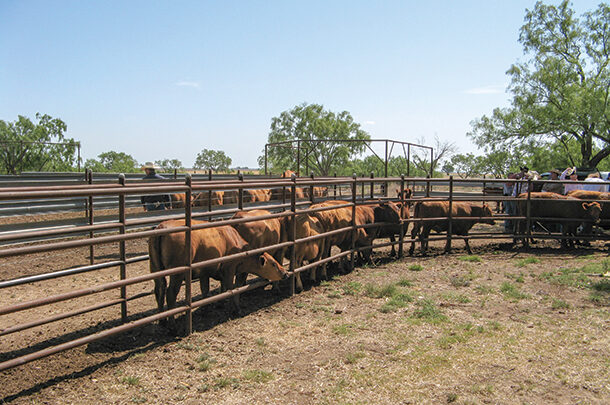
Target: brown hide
[201,199]
[288,173]
[230,197]
[168,251]
[312,251]
[553,205]
[262,233]
[600,197]
[178,200]
[440,209]
[257,195]
[388,212]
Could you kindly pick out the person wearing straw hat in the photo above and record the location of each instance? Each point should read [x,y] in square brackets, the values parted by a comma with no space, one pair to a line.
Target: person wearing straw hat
[154,202]
[570,172]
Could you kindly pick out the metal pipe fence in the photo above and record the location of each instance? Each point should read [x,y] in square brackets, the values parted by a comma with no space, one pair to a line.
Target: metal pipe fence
[126,228]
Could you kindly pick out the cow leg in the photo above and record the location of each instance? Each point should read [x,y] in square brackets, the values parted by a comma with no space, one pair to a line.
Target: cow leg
[227,282]
[204,285]
[423,240]
[160,287]
[467,246]
[175,282]
[414,233]
[393,251]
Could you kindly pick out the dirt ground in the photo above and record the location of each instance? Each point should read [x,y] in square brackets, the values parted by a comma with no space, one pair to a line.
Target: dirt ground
[499,326]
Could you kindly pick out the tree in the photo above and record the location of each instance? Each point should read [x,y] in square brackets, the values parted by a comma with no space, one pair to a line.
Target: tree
[113,162]
[169,165]
[466,165]
[443,150]
[215,160]
[40,146]
[310,123]
[561,92]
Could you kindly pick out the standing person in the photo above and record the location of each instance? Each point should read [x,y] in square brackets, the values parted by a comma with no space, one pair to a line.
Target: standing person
[595,183]
[554,187]
[509,206]
[570,173]
[154,202]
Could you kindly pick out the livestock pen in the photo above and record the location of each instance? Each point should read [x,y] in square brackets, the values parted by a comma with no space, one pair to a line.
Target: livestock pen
[28,298]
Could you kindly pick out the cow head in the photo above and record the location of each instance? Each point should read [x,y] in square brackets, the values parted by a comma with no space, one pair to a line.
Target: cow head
[269,268]
[593,210]
[487,213]
[387,212]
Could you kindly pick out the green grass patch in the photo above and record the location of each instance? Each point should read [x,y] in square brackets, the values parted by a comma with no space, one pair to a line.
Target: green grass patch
[512,292]
[258,376]
[398,300]
[460,298]
[224,382]
[428,311]
[131,380]
[601,286]
[404,282]
[557,303]
[352,288]
[334,294]
[205,362]
[343,329]
[459,281]
[352,358]
[484,289]
[470,258]
[519,278]
[415,267]
[376,291]
[526,261]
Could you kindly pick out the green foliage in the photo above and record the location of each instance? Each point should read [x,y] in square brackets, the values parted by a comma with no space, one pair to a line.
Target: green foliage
[426,310]
[559,93]
[465,165]
[376,291]
[113,162]
[258,376]
[216,160]
[526,261]
[415,267]
[308,122]
[470,258]
[168,165]
[28,146]
[512,292]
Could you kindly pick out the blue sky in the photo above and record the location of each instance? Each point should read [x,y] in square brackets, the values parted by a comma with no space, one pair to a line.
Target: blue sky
[165,79]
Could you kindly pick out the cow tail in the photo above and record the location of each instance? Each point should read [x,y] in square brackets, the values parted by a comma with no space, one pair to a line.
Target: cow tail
[156,264]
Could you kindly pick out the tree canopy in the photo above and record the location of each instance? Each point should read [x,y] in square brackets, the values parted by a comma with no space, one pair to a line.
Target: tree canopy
[40,146]
[310,123]
[215,160]
[113,162]
[560,93]
[169,165]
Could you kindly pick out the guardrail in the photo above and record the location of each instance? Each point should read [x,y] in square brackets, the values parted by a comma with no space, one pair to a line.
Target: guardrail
[125,227]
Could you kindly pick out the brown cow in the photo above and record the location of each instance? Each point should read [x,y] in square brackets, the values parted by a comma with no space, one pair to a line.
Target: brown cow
[288,173]
[338,218]
[178,200]
[201,199]
[553,205]
[440,209]
[262,233]
[390,231]
[230,197]
[312,251]
[167,251]
[257,195]
[601,197]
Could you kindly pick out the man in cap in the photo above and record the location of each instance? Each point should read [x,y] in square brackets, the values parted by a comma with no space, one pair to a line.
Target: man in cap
[570,172]
[553,187]
[154,202]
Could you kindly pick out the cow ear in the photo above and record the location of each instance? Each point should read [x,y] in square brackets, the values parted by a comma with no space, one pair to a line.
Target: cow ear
[262,260]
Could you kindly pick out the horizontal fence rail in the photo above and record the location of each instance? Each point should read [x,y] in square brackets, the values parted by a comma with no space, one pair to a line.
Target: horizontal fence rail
[120,225]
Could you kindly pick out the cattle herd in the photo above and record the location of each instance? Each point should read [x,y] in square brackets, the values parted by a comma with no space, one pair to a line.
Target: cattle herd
[328,224]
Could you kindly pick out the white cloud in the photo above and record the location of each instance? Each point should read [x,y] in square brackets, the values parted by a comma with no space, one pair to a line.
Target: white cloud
[369,122]
[493,89]
[184,83]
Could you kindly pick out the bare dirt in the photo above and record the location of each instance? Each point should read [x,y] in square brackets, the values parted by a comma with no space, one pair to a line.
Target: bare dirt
[501,326]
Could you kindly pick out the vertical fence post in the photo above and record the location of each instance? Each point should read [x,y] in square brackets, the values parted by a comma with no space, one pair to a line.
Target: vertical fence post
[450,217]
[122,253]
[298,158]
[427,186]
[292,233]
[528,234]
[187,251]
[385,183]
[90,214]
[240,192]
[335,187]
[209,191]
[353,224]
[362,187]
[266,154]
[402,225]
[372,185]
[311,196]
[175,174]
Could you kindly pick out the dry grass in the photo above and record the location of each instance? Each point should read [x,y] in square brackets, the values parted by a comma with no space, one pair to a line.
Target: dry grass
[496,329]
